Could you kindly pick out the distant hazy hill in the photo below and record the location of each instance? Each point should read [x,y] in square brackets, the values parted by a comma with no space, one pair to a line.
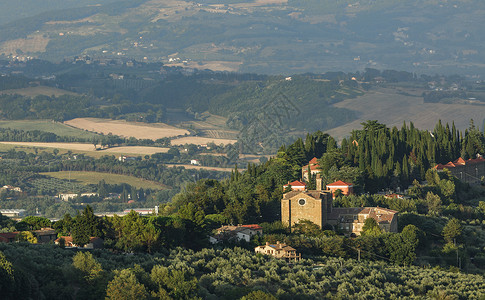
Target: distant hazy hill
[264,36]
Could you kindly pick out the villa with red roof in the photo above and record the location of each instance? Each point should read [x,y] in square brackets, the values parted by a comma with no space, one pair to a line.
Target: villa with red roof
[469,171]
[295,185]
[346,188]
[314,169]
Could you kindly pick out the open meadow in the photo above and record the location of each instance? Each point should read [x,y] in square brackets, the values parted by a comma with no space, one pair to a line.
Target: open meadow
[38,90]
[47,126]
[152,131]
[96,177]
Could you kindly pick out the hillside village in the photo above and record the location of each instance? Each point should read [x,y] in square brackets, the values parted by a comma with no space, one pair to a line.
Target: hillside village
[313,202]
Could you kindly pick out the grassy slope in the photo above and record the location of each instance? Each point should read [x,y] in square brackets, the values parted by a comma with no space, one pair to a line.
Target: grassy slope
[48,126]
[95,177]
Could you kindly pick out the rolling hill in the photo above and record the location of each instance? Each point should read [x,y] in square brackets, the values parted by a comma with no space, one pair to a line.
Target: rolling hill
[262,36]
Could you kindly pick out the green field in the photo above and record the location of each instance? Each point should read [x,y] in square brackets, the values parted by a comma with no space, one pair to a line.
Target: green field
[47,126]
[95,178]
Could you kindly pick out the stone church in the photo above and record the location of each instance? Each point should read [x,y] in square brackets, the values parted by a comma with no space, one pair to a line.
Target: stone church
[316,206]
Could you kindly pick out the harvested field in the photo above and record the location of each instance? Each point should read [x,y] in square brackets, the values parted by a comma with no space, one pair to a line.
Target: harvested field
[96,177]
[127,129]
[193,167]
[38,90]
[230,66]
[136,150]
[31,44]
[197,140]
[392,108]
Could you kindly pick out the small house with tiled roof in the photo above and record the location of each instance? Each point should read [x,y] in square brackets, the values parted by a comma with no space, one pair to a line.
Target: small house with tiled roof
[8,237]
[295,185]
[469,171]
[346,188]
[278,250]
[314,169]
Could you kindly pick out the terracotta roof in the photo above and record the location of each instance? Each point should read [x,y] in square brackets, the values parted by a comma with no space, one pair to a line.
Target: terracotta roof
[253,226]
[380,214]
[459,162]
[339,183]
[282,246]
[312,167]
[313,161]
[296,183]
[236,229]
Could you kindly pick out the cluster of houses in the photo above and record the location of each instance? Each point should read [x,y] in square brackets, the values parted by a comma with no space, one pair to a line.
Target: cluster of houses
[469,171]
[48,236]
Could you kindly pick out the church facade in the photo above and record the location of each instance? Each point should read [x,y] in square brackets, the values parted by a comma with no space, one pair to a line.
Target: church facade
[316,206]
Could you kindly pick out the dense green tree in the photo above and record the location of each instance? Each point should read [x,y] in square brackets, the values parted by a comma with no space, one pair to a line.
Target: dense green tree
[87,265]
[258,295]
[86,225]
[452,230]
[125,286]
[371,227]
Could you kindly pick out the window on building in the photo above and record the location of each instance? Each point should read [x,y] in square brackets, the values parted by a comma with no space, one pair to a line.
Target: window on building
[302,202]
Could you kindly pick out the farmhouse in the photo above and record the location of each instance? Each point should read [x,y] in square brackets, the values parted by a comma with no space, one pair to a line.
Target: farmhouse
[469,171]
[278,250]
[94,242]
[13,213]
[67,197]
[45,235]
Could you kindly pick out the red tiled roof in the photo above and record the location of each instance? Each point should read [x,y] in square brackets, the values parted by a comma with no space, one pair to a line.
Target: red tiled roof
[7,236]
[380,214]
[339,183]
[296,183]
[459,162]
[253,226]
[313,161]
